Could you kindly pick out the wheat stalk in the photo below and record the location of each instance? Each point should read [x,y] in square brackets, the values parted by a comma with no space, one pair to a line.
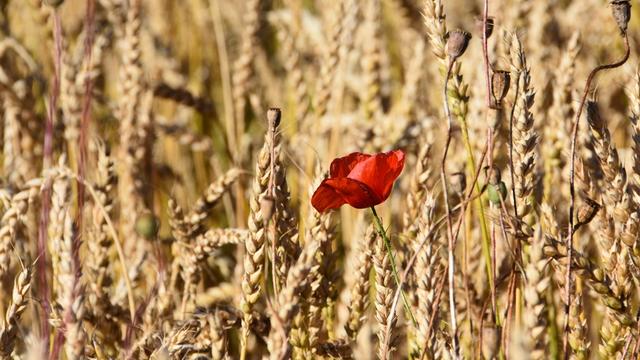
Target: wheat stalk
[19,301]
[537,283]
[255,246]
[525,138]
[383,300]
[359,300]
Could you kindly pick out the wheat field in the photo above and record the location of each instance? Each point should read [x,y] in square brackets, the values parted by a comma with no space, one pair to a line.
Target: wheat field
[160,160]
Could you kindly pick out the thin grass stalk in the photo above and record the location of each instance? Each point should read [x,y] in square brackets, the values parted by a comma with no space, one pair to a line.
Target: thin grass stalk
[47,162]
[225,73]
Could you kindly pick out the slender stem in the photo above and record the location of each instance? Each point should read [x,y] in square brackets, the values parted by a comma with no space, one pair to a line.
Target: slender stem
[572,188]
[506,331]
[634,352]
[43,264]
[443,181]
[223,59]
[387,244]
[485,51]
[243,344]
[116,242]
[462,207]
[466,278]
[458,226]
[272,193]
[484,231]
[231,135]
[493,232]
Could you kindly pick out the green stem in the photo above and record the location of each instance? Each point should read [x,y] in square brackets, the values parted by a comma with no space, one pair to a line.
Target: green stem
[387,244]
[480,208]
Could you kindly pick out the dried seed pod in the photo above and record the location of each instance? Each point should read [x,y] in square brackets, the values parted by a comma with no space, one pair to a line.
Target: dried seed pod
[621,10]
[267,208]
[500,82]
[459,182]
[490,340]
[496,188]
[493,175]
[587,212]
[457,42]
[480,25]
[273,117]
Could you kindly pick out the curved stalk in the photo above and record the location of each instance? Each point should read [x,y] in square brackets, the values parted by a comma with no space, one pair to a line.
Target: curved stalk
[572,189]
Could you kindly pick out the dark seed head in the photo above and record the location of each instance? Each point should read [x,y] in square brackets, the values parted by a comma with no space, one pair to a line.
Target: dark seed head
[457,42]
[273,116]
[480,26]
[587,211]
[500,82]
[621,10]
[459,182]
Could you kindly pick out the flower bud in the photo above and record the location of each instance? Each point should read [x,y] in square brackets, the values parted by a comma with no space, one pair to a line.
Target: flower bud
[147,226]
[457,42]
[497,193]
[480,26]
[500,82]
[273,117]
[621,10]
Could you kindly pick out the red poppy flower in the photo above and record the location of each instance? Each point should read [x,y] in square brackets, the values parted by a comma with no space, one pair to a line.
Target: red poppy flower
[360,180]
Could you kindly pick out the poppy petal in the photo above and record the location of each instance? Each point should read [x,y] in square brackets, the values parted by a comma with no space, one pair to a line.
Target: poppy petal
[341,167]
[354,192]
[379,172]
[326,198]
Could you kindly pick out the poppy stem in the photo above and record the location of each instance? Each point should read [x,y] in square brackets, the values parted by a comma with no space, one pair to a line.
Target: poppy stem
[445,193]
[387,244]
[572,188]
